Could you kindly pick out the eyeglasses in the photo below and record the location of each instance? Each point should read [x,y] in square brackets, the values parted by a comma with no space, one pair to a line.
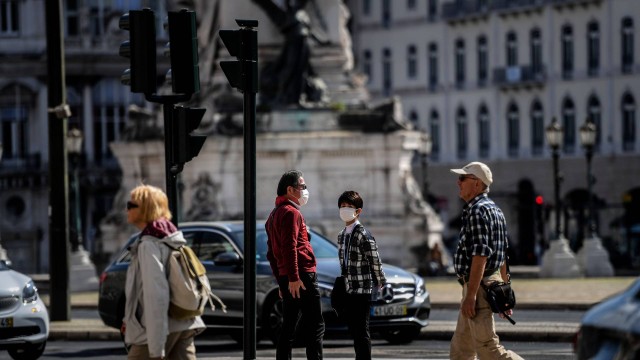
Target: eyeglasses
[132,205]
[462,178]
[302,187]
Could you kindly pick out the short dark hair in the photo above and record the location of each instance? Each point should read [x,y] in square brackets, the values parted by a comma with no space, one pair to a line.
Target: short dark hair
[352,198]
[290,178]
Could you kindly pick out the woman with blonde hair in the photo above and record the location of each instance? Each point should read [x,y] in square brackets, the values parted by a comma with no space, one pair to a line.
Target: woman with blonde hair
[147,327]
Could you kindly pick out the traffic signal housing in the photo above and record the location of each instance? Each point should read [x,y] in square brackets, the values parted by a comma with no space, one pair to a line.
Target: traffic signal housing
[140,49]
[186,146]
[183,50]
[243,44]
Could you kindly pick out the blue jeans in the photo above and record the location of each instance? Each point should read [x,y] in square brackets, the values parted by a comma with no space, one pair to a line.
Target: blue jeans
[306,308]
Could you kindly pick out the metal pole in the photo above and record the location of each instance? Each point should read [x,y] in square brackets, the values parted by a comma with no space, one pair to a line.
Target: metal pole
[556,191]
[249,66]
[58,177]
[77,240]
[171,173]
[591,226]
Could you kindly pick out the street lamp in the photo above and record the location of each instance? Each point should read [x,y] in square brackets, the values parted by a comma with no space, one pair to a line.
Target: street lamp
[425,150]
[74,148]
[558,260]
[592,257]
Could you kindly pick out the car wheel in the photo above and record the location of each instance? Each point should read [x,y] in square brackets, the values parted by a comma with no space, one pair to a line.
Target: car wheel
[30,352]
[398,337]
[273,319]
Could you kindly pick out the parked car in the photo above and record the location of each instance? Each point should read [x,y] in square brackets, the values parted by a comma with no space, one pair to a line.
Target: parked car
[24,321]
[611,329]
[219,245]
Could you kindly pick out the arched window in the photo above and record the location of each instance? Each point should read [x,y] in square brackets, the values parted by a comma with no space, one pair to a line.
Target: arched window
[567,51]
[386,13]
[10,18]
[434,130]
[387,69]
[411,4]
[432,9]
[412,62]
[483,60]
[461,133]
[460,63]
[537,128]
[594,112]
[513,130]
[433,66]
[366,65]
[593,48]
[16,102]
[484,139]
[366,7]
[512,49]
[535,40]
[628,122]
[627,44]
[569,126]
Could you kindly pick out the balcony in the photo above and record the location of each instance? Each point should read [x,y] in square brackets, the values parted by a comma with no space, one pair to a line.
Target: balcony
[571,3]
[506,7]
[465,10]
[519,76]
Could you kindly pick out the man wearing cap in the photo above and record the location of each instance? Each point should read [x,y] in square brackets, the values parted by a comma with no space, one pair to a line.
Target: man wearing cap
[480,256]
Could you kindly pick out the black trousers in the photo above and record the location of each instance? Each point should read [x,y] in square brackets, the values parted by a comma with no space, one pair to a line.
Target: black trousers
[306,308]
[357,313]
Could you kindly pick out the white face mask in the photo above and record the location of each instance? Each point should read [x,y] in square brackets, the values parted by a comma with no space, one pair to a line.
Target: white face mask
[302,200]
[347,214]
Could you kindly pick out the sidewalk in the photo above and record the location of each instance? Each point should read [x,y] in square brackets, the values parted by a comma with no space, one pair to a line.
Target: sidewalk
[531,293]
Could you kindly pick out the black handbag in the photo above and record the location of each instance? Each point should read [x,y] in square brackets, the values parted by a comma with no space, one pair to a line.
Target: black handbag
[501,298]
[339,294]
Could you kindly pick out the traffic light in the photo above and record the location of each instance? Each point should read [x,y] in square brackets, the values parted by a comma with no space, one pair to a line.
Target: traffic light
[186,146]
[140,49]
[243,44]
[183,49]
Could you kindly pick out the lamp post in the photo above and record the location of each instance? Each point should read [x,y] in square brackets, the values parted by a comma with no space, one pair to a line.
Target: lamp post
[3,252]
[558,260]
[592,257]
[425,151]
[83,272]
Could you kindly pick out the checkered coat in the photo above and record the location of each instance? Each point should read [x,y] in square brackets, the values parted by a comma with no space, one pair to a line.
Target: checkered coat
[363,268]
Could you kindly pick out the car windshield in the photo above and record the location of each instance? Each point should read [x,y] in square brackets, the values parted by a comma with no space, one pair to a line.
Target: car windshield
[322,247]
[3,265]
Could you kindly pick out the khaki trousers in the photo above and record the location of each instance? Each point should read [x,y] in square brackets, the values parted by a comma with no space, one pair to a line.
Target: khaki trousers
[179,346]
[476,338]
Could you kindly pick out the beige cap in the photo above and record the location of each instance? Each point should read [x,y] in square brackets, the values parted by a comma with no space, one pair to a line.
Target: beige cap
[478,169]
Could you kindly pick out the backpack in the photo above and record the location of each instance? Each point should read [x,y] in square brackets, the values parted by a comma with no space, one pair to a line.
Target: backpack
[189,286]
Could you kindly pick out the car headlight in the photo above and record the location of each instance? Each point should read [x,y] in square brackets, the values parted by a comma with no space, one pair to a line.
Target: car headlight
[29,293]
[420,288]
[325,290]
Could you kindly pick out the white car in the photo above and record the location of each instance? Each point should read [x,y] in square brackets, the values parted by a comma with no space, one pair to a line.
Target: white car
[24,321]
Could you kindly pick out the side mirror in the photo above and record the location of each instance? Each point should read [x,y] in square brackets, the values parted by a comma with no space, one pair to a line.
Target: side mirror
[227,258]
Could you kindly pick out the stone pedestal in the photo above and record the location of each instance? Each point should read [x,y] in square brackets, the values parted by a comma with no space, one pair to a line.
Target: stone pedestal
[82,275]
[593,259]
[559,261]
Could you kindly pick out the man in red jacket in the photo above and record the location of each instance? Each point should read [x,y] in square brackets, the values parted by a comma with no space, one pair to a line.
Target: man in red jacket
[294,266]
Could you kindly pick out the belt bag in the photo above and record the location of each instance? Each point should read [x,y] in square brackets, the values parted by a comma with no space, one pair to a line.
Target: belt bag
[339,294]
[501,297]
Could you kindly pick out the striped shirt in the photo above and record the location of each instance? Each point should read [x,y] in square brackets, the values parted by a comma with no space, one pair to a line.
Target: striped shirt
[363,265]
[483,233]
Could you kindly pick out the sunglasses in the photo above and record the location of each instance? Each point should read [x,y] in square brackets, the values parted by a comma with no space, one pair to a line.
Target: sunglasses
[132,205]
[462,178]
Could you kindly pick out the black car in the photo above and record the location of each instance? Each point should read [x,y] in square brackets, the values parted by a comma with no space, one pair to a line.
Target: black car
[611,329]
[219,245]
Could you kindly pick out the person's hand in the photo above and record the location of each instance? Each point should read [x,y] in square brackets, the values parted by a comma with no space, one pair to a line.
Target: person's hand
[468,307]
[508,312]
[123,328]
[294,288]
[280,293]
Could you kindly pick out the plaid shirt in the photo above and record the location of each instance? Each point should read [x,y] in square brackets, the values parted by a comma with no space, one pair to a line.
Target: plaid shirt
[364,267]
[483,233]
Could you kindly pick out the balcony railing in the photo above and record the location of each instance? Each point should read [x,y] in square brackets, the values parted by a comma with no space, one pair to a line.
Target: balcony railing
[519,76]
[459,10]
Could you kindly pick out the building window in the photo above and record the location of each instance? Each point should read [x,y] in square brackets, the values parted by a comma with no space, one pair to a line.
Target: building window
[569,126]
[459,56]
[411,4]
[593,48]
[432,9]
[628,122]
[366,7]
[512,49]
[386,72]
[434,129]
[461,133]
[386,13]
[513,130]
[567,51]
[72,18]
[433,66]
[412,62]
[537,129]
[484,141]
[367,65]
[9,18]
[627,45]
[483,61]
[536,52]
[414,119]
[15,104]
[594,112]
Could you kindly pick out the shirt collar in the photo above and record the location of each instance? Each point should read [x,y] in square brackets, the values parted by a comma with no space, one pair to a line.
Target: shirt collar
[349,229]
[475,200]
